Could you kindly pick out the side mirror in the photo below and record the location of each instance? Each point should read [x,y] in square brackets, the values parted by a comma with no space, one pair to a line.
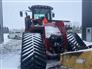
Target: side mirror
[53,15]
[21,14]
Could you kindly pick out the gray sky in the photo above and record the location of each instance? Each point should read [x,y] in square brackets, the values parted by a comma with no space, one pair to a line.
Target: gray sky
[63,9]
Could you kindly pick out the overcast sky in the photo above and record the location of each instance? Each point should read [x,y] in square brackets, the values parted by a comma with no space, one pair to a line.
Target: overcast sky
[63,9]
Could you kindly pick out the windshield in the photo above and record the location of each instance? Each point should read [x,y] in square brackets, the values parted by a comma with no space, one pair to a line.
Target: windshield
[40,13]
[38,16]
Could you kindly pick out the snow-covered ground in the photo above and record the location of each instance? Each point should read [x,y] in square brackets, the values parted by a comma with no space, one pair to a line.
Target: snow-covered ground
[10,53]
[10,61]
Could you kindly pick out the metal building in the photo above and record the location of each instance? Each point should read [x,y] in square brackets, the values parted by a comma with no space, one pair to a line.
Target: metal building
[1,23]
[87,20]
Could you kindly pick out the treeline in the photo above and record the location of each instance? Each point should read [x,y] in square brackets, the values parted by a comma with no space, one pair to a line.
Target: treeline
[5,30]
[77,29]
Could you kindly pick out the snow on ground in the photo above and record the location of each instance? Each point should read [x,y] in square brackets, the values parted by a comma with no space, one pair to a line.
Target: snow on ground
[10,53]
[10,61]
[10,45]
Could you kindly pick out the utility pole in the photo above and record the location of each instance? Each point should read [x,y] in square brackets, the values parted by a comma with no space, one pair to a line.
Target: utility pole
[1,23]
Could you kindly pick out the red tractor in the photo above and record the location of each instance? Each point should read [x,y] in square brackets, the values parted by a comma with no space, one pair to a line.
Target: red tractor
[43,37]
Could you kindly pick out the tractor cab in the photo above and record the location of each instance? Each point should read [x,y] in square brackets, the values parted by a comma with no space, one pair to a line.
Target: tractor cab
[39,12]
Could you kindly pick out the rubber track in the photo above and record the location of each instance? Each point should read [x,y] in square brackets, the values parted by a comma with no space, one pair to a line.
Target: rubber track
[75,42]
[33,52]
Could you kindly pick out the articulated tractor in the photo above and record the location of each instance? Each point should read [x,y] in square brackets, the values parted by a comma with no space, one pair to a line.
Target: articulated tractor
[45,38]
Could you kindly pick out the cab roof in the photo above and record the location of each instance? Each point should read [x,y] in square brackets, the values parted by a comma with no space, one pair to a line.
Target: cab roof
[40,6]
